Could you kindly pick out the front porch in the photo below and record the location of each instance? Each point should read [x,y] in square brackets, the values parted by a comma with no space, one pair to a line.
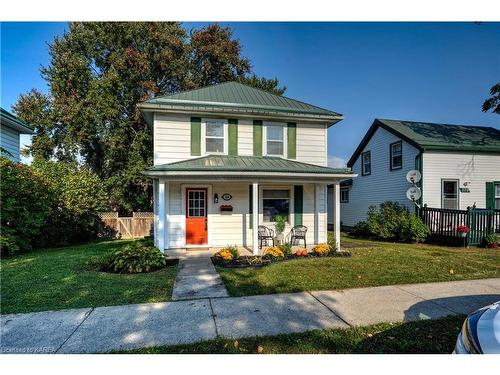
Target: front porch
[214,205]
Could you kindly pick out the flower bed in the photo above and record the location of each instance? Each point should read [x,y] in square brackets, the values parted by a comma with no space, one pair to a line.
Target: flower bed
[271,255]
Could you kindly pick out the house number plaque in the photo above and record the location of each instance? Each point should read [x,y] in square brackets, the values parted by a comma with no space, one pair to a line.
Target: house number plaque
[226,196]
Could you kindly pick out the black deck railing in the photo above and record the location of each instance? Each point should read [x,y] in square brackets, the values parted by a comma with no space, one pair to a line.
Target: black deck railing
[443,223]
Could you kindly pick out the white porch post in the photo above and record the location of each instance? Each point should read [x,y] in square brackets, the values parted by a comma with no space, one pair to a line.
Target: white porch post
[336,214]
[255,218]
[317,195]
[155,211]
[162,230]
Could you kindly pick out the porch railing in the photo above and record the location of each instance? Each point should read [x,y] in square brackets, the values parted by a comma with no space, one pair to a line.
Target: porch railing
[443,223]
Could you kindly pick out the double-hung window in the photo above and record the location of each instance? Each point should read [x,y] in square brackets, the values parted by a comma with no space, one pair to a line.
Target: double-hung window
[449,195]
[214,136]
[344,195]
[275,140]
[366,163]
[396,152]
[275,202]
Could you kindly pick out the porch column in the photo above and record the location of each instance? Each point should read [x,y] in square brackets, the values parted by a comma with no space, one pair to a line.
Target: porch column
[336,214]
[155,212]
[317,195]
[255,218]
[162,230]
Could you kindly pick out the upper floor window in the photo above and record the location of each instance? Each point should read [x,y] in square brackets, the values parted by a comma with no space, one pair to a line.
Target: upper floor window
[396,153]
[275,143]
[214,136]
[366,163]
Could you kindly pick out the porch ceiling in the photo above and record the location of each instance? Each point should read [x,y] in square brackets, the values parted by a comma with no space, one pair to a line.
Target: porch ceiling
[245,167]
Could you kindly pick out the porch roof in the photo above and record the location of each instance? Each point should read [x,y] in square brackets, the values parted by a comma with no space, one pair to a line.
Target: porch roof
[247,166]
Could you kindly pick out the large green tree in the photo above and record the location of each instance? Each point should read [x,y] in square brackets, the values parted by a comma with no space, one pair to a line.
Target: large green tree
[493,103]
[100,71]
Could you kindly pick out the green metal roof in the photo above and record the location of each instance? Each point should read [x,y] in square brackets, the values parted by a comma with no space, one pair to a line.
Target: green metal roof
[237,97]
[437,137]
[10,120]
[224,163]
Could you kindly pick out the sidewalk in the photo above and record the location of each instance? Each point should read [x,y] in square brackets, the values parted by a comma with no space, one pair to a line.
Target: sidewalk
[103,329]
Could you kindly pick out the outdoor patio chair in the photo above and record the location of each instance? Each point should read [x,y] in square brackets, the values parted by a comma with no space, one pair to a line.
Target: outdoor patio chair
[298,233]
[265,234]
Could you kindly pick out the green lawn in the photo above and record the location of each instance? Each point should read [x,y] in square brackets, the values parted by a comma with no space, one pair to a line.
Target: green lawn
[426,336]
[60,278]
[372,263]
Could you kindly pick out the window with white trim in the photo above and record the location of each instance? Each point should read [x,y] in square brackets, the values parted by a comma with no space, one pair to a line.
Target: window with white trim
[344,195]
[366,163]
[275,202]
[497,196]
[214,136]
[449,194]
[396,155]
[275,143]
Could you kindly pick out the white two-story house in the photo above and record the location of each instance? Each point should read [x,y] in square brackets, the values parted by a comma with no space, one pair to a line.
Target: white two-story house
[459,165]
[229,158]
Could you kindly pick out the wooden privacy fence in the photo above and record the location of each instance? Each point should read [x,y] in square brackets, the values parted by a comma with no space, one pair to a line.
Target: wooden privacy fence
[444,223]
[138,225]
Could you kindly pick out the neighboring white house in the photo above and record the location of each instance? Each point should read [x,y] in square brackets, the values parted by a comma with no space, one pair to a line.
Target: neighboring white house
[460,167]
[229,157]
[10,129]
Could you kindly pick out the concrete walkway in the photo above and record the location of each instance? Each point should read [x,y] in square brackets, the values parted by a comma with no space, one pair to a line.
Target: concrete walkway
[197,278]
[103,329]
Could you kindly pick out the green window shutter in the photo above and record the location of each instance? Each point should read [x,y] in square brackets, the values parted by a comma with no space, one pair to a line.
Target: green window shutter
[298,203]
[292,140]
[257,138]
[250,206]
[232,132]
[195,136]
[490,195]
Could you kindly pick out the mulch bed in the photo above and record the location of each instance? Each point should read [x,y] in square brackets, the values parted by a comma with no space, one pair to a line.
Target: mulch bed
[246,261]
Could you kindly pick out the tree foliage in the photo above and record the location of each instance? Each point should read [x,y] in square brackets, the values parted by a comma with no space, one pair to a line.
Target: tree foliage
[100,71]
[493,103]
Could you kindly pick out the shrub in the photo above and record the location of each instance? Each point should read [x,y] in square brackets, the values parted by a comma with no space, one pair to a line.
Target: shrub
[273,253]
[136,257]
[332,243]
[412,229]
[491,240]
[361,229]
[286,248]
[26,203]
[322,249]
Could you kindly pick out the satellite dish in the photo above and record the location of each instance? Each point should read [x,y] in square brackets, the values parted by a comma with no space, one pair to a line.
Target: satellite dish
[413,176]
[413,193]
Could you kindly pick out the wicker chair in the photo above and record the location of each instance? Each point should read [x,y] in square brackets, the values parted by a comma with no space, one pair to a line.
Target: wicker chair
[265,234]
[298,233]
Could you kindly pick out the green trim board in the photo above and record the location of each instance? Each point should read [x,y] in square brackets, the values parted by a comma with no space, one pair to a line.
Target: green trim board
[490,194]
[291,140]
[195,136]
[298,204]
[427,136]
[257,138]
[250,206]
[232,134]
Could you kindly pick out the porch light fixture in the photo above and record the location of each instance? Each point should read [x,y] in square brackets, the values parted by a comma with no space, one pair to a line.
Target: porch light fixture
[216,198]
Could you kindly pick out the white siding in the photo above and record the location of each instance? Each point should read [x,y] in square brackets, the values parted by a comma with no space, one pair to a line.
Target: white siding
[172,140]
[383,184]
[233,228]
[245,137]
[311,144]
[9,140]
[475,169]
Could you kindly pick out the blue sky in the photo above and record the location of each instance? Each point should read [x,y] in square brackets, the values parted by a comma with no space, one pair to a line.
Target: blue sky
[437,72]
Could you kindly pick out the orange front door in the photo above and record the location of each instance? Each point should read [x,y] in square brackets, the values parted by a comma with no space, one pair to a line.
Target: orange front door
[196,216]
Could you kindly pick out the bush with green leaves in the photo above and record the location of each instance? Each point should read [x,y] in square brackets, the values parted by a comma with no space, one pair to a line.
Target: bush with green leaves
[26,203]
[137,257]
[233,249]
[286,248]
[491,240]
[392,221]
[279,224]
